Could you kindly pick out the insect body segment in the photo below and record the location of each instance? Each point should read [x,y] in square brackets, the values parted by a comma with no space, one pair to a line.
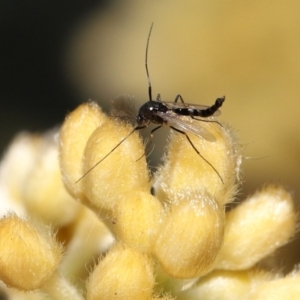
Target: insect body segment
[148,113]
[199,111]
[172,114]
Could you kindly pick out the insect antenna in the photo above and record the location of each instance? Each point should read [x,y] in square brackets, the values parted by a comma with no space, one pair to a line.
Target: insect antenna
[137,127]
[146,65]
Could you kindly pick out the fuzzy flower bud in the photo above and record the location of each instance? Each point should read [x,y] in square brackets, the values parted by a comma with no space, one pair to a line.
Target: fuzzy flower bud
[124,273]
[257,227]
[138,219]
[15,168]
[28,255]
[44,194]
[121,172]
[190,236]
[74,134]
[226,285]
[215,170]
[278,289]
[179,230]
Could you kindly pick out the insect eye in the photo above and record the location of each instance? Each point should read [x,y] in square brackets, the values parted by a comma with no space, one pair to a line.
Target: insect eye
[139,119]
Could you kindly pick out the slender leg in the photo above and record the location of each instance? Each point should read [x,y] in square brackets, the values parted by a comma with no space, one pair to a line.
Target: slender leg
[147,147]
[112,150]
[178,97]
[202,120]
[158,98]
[197,151]
[153,130]
[151,140]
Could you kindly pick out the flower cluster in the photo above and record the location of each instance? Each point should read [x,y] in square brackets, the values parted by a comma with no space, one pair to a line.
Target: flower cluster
[96,231]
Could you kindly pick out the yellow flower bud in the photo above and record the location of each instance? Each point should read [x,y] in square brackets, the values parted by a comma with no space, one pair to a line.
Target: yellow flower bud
[90,236]
[124,273]
[137,220]
[28,255]
[225,285]
[190,236]
[74,133]
[124,170]
[216,171]
[44,193]
[16,166]
[256,228]
[283,288]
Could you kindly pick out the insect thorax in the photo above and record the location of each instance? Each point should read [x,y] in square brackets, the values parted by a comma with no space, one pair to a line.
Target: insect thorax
[147,112]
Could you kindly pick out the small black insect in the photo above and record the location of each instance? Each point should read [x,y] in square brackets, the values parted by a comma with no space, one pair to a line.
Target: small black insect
[170,113]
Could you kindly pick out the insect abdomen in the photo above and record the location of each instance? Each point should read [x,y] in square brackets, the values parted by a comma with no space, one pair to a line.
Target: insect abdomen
[211,110]
[200,112]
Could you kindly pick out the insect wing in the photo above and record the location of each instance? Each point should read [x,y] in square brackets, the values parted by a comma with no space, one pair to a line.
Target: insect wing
[174,105]
[124,109]
[180,123]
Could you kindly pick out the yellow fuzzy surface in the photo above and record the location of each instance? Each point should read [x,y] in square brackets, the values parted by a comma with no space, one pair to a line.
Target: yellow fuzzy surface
[133,234]
[124,273]
[28,255]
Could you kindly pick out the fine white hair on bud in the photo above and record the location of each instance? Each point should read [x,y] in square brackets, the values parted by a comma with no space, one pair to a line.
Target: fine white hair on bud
[74,133]
[165,239]
[191,235]
[226,285]
[216,170]
[121,172]
[29,254]
[137,220]
[257,227]
[124,273]
[287,287]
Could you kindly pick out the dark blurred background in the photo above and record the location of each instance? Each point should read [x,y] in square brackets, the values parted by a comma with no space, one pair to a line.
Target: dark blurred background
[34,92]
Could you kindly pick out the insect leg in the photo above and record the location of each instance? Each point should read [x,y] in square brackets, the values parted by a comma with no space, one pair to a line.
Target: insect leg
[113,149]
[203,120]
[178,97]
[151,140]
[153,130]
[197,151]
[148,144]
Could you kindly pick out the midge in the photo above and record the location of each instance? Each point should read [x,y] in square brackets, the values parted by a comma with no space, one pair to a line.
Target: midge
[170,113]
